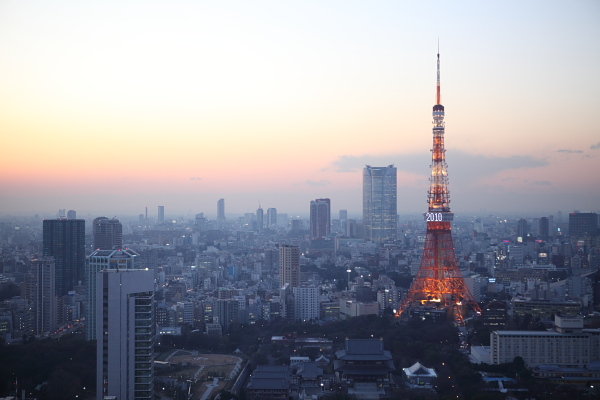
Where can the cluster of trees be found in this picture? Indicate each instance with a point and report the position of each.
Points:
(49, 368)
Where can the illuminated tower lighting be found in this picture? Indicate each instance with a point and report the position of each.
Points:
(439, 283)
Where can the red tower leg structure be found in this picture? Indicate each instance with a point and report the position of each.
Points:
(439, 283)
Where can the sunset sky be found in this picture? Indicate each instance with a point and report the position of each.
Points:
(109, 107)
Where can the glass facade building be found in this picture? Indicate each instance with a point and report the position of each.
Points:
(380, 203)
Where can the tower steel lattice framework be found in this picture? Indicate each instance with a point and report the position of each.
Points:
(439, 283)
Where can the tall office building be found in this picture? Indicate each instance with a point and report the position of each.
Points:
(289, 265)
(522, 229)
(64, 239)
(72, 214)
(220, 213)
(107, 233)
(320, 218)
(99, 260)
(125, 331)
(260, 219)
(271, 217)
(379, 203)
(41, 294)
(582, 227)
(161, 214)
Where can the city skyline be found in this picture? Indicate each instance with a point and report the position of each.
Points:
(184, 104)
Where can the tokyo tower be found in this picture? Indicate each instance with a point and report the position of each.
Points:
(439, 283)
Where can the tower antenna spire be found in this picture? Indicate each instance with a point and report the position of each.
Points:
(439, 284)
(438, 93)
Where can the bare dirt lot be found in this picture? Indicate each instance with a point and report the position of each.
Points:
(202, 368)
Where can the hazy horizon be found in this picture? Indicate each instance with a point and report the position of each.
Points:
(107, 108)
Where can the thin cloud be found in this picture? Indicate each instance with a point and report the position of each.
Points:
(461, 165)
(318, 183)
(569, 151)
(595, 146)
(541, 183)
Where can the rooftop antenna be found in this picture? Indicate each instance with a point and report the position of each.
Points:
(438, 93)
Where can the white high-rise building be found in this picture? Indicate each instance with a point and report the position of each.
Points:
(380, 203)
(125, 330)
(306, 303)
(99, 260)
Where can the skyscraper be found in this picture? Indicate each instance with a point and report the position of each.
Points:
(64, 239)
(107, 233)
(379, 203)
(260, 218)
(522, 229)
(289, 265)
(99, 260)
(161, 214)
(41, 294)
(71, 214)
(582, 227)
(271, 217)
(320, 218)
(220, 213)
(125, 331)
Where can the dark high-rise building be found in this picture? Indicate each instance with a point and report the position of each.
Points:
(289, 265)
(522, 230)
(582, 227)
(107, 233)
(71, 214)
(320, 218)
(161, 214)
(379, 203)
(64, 239)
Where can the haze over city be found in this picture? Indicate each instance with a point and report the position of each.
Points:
(110, 107)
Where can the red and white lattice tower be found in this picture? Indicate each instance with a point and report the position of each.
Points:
(439, 283)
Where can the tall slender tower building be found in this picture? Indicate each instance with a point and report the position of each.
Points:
(439, 283)
(41, 294)
(64, 239)
(220, 213)
(380, 203)
(289, 265)
(125, 330)
(260, 218)
(161, 214)
(320, 218)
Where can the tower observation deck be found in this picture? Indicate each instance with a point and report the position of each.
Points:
(439, 283)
